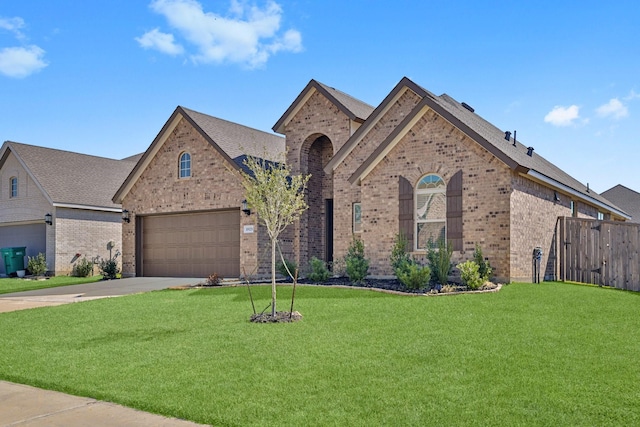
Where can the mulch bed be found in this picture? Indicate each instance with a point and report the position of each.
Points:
(280, 317)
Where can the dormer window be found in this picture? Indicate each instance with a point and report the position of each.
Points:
(185, 165)
(13, 184)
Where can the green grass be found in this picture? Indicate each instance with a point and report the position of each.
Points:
(8, 286)
(548, 354)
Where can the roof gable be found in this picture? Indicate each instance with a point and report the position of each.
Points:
(514, 154)
(231, 140)
(69, 179)
(353, 108)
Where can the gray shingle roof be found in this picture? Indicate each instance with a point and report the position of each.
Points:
(626, 198)
(360, 109)
(496, 137)
(72, 178)
(352, 107)
(237, 140)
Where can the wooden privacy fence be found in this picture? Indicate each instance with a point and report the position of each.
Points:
(600, 252)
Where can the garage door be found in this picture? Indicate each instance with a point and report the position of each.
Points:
(191, 245)
(33, 236)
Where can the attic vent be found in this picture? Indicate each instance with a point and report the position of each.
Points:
(507, 136)
(468, 107)
(530, 151)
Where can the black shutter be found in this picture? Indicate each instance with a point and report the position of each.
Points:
(405, 211)
(454, 211)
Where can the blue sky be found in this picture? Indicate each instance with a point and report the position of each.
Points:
(102, 77)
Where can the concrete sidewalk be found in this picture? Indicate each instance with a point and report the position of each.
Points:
(21, 405)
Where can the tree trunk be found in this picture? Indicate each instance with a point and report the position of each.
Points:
(273, 277)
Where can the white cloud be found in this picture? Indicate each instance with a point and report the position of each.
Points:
(249, 35)
(632, 95)
(14, 25)
(20, 62)
(155, 39)
(563, 116)
(614, 108)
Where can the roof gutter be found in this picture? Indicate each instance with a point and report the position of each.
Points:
(540, 177)
(86, 207)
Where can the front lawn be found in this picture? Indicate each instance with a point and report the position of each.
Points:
(8, 286)
(548, 354)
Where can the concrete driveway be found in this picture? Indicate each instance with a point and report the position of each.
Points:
(89, 291)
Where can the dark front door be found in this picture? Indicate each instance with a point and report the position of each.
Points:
(328, 230)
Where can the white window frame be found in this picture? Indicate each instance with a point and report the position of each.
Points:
(356, 216)
(417, 221)
(184, 165)
(13, 187)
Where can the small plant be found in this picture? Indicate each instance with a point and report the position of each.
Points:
(470, 274)
(439, 260)
(83, 268)
(214, 280)
(37, 265)
(318, 270)
(357, 265)
(484, 268)
(281, 267)
(399, 254)
(109, 267)
(413, 275)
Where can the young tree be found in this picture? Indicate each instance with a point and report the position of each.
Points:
(278, 199)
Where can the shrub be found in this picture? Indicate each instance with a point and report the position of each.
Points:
(214, 280)
(281, 267)
(413, 275)
(470, 274)
(484, 268)
(83, 268)
(37, 265)
(109, 267)
(440, 261)
(399, 253)
(318, 271)
(357, 265)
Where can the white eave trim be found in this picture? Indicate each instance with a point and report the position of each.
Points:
(566, 189)
(86, 207)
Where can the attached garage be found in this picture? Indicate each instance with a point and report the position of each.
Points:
(32, 236)
(190, 245)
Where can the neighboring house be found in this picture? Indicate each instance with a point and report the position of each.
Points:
(74, 189)
(431, 168)
(419, 164)
(626, 198)
(185, 198)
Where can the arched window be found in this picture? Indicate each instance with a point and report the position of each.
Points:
(13, 184)
(430, 211)
(185, 165)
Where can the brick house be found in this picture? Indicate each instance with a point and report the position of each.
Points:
(74, 189)
(419, 164)
(185, 197)
(431, 168)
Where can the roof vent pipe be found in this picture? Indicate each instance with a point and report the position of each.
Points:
(587, 187)
(468, 107)
(514, 138)
(507, 136)
(530, 151)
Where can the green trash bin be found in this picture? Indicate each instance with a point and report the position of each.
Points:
(13, 259)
